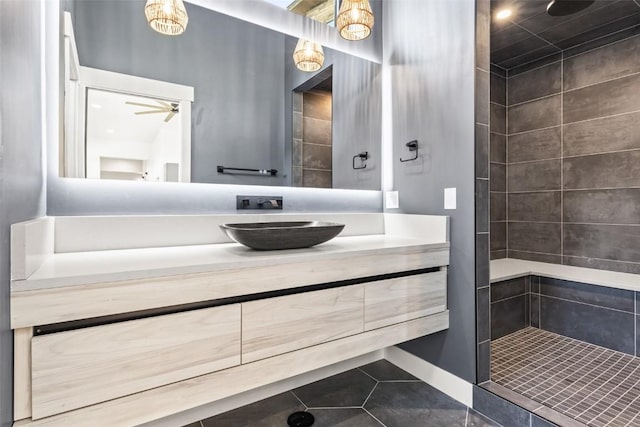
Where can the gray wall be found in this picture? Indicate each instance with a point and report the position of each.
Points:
(22, 184)
(429, 47)
(235, 67)
(357, 112)
(573, 152)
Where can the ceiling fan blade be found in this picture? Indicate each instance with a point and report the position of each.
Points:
(149, 112)
(156, 107)
(163, 103)
(169, 116)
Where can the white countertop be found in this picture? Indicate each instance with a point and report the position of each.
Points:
(78, 268)
(508, 268)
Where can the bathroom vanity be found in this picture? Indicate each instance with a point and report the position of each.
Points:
(128, 319)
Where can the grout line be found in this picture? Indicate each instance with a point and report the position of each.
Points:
(311, 408)
(508, 298)
(517, 104)
(574, 189)
(601, 153)
(571, 123)
(373, 416)
(370, 393)
(375, 379)
(539, 306)
(529, 131)
(299, 400)
(506, 173)
(536, 35)
(603, 81)
(590, 305)
(569, 222)
(537, 51)
(599, 38)
(533, 61)
(572, 156)
(602, 117)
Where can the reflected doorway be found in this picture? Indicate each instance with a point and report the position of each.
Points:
(312, 132)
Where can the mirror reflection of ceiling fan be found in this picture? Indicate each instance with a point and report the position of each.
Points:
(163, 107)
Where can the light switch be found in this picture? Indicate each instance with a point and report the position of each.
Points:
(391, 200)
(449, 198)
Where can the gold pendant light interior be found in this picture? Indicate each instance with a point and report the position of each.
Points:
(167, 16)
(308, 56)
(355, 19)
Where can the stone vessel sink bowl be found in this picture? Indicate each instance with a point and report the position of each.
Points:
(267, 236)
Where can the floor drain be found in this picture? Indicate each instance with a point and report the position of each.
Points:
(300, 419)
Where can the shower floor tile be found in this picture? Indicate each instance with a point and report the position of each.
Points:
(591, 384)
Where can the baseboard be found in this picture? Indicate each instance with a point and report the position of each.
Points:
(260, 393)
(449, 384)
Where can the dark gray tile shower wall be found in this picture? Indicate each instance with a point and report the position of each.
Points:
(572, 162)
(498, 163)
(595, 314)
(484, 195)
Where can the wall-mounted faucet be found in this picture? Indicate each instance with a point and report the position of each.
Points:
(258, 202)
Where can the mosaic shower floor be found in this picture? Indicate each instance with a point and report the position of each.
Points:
(591, 384)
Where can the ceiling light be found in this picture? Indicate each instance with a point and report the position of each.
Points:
(111, 131)
(355, 19)
(96, 106)
(166, 16)
(503, 14)
(308, 55)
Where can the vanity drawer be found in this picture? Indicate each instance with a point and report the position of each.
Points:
(404, 298)
(84, 366)
(282, 324)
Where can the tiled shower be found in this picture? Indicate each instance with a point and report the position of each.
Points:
(564, 188)
(565, 165)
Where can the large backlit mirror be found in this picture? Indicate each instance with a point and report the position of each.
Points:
(223, 102)
(321, 10)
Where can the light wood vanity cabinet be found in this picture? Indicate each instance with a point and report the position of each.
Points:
(284, 315)
(81, 367)
(278, 325)
(404, 298)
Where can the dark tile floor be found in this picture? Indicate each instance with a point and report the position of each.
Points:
(374, 395)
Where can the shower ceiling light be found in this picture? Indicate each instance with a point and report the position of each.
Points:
(167, 16)
(308, 55)
(503, 14)
(355, 19)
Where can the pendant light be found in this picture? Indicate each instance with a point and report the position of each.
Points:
(355, 19)
(167, 16)
(308, 55)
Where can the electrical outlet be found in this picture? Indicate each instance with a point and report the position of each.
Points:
(391, 200)
(449, 198)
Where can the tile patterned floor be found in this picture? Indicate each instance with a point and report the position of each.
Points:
(374, 395)
(591, 384)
